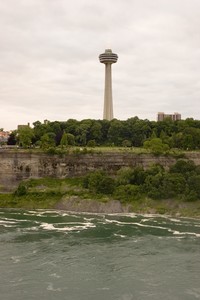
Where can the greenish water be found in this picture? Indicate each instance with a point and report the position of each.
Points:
(56, 255)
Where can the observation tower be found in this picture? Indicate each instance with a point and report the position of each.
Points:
(108, 58)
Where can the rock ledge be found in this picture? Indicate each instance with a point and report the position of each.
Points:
(77, 204)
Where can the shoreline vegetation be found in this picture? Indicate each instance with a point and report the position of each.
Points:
(174, 192)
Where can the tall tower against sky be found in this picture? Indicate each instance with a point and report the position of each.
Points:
(108, 58)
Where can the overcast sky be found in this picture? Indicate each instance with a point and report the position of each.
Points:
(49, 66)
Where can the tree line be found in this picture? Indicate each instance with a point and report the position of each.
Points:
(133, 132)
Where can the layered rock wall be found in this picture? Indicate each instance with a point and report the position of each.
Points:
(17, 166)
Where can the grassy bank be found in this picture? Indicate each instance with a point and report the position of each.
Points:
(47, 193)
(97, 150)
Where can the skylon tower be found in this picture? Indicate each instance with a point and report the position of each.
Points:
(108, 58)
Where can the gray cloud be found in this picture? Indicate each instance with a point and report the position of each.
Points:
(49, 58)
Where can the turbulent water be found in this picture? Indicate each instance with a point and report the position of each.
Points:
(56, 255)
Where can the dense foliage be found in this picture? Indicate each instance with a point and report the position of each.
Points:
(181, 181)
(156, 136)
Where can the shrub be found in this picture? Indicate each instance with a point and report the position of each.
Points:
(100, 183)
(194, 184)
(21, 190)
(155, 169)
(156, 146)
(126, 143)
(124, 176)
(51, 150)
(191, 196)
(153, 186)
(173, 185)
(91, 143)
(183, 167)
(138, 176)
(128, 192)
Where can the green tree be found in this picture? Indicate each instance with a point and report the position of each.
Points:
(83, 132)
(138, 176)
(100, 183)
(166, 139)
(91, 143)
(124, 176)
(12, 139)
(128, 192)
(194, 184)
(173, 185)
(139, 131)
(40, 129)
(48, 140)
(126, 143)
(116, 132)
(25, 136)
(105, 125)
(64, 140)
(153, 186)
(135, 176)
(183, 166)
(156, 146)
(71, 126)
(21, 190)
(96, 132)
(177, 140)
(167, 126)
(70, 139)
(155, 169)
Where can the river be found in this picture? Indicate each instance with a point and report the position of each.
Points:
(59, 255)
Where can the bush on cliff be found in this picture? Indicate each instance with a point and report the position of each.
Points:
(21, 190)
(156, 145)
(182, 181)
(100, 183)
(128, 192)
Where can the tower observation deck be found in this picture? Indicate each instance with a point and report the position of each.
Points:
(108, 58)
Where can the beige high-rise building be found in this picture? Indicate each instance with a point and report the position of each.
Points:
(108, 58)
(174, 117)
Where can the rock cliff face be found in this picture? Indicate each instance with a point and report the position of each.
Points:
(92, 206)
(17, 166)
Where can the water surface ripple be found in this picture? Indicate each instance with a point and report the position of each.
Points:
(59, 255)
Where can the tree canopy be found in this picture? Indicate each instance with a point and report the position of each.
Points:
(134, 132)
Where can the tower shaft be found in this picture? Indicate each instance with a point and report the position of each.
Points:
(108, 102)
